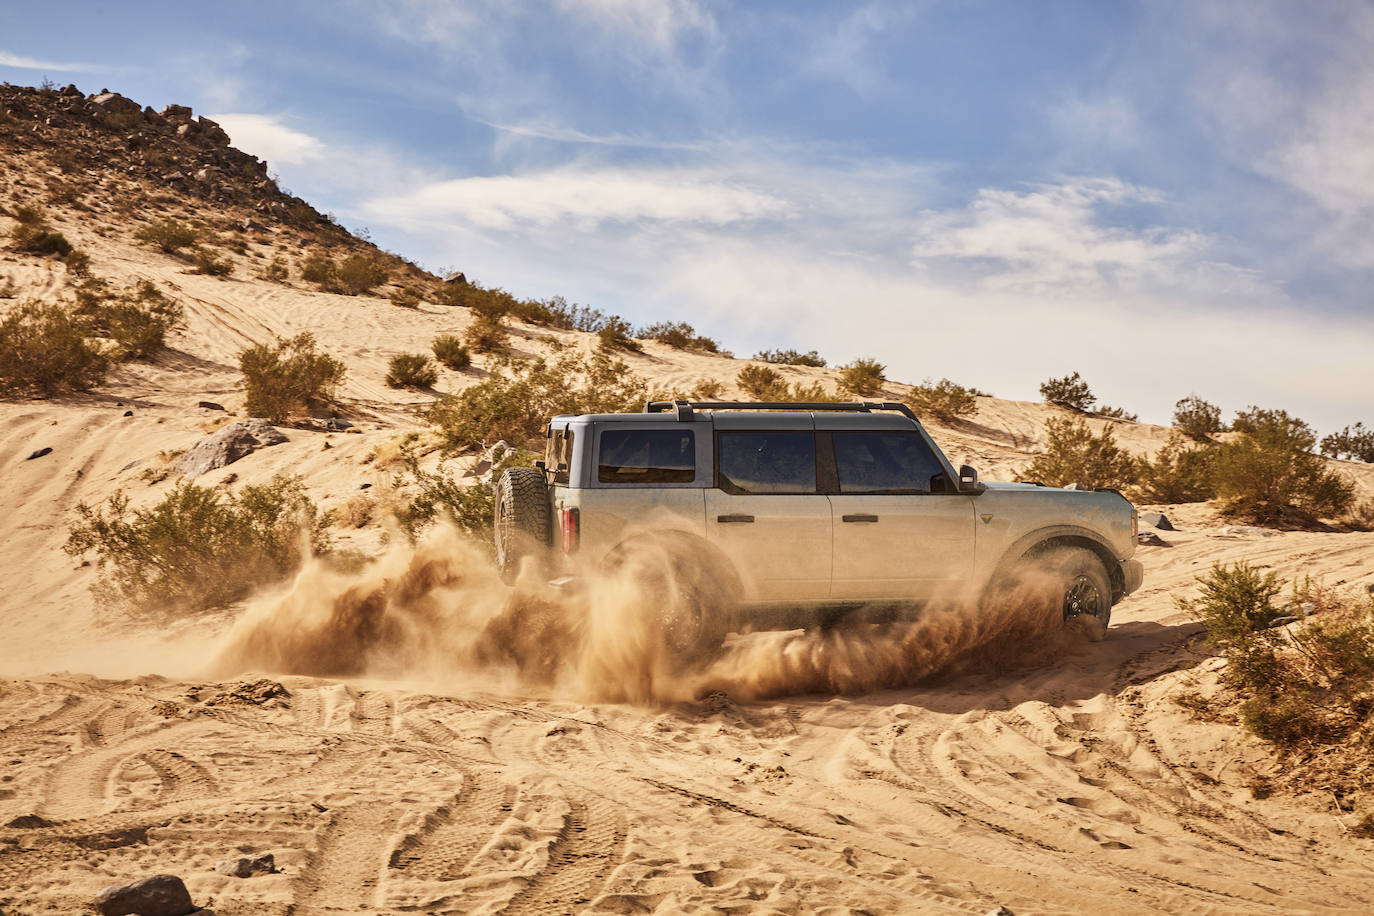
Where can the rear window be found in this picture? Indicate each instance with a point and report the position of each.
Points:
(883, 462)
(647, 456)
(767, 462)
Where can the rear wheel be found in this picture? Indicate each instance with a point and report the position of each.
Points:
(687, 594)
(524, 519)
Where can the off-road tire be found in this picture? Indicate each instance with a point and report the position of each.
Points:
(524, 520)
(1084, 589)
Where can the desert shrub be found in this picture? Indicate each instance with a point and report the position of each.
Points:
(1354, 442)
(1359, 517)
(471, 507)
(616, 334)
(320, 269)
(40, 239)
(516, 405)
(943, 400)
(1070, 391)
(27, 215)
(791, 358)
(275, 270)
(449, 351)
(288, 377)
(209, 263)
(1179, 473)
(1268, 474)
(1197, 419)
(557, 313)
(762, 383)
(1116, 413)
(1307, 682)
(706, 389)
(78, 263)
(168, 234)
(678, 334)
(1075, 455)
(411, 370)
(496, 302)
(137, 320)
(44, 350)
(407, 297)
(486, 333)
(198, 548)
(359, 273)
(863, 377)
(814, 393)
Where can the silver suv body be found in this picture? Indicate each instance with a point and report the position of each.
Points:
(816, 509)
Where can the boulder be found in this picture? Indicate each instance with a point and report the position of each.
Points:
(214, 134)
(114, 103)
(457, 277)
(1157, 520)
(228, 445)
(251, 225)
(1150, 539)
(247, 867)
(177, 114)
(39, 454)
(209, 405)
(160, 895)
(188, 130)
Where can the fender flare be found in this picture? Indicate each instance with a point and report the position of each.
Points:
(1042, 539)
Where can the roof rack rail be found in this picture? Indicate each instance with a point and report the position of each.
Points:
(684, 409)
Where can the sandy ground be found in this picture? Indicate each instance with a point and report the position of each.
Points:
(1074, 784)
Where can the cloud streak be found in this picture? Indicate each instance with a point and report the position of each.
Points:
(28, 63)
(267, 137)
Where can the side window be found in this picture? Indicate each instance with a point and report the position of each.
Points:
(558, 456)
(884, 462)
(647, 456)
(767, 462)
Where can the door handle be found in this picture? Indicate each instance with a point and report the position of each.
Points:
(860, 518)
(726, 519)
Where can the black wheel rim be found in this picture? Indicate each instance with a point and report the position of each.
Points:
(1082, 597)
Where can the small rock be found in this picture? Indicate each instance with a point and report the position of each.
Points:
(160, 895)
(1000, 911)
(1150, 539)
(456, 278)
(1157, 520)
(209, 405)
(336, 424)
(251, 225)
(228, 445)
(177, 114)
(364, 486)
(39, 454)
(246, 867)
(128, 413)
(30, 822)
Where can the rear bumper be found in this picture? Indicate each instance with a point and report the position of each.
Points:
(1132, 575)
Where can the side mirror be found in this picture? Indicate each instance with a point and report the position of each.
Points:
(968, 481)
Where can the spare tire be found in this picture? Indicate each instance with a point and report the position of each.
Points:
(524, 520)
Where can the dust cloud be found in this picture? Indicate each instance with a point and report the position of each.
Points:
(437, 611)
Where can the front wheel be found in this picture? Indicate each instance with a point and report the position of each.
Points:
(1084, 589)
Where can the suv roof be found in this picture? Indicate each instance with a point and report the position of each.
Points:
(861, 413)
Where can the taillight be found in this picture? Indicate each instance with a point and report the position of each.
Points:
(570, 526)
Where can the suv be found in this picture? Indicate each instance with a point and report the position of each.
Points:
(802, 514)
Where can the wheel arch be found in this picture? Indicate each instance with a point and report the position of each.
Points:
(1046, 539)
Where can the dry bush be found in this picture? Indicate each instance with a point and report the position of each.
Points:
(276, 270)
(1070, 391)
(210, 264)
(762, 383)
(44, 350)
(1116, 413)
(616, 334)
(320, 269)
(678, 334)
(517, 406)
(486, 333)
(863, 377)
(356, 512)
(943, 400)
(1354, 442)
(706, 389)
(359, 273)
(1306, 682)
(138, 319)
(1197, 419)
(407, 297)
(198, 548)
(169, 235)
(450, 352)
(791, 358)
(289, 377)
(34, 236)
(1179, 473)
(1075, 456)
(1268, 474)
(411, 370)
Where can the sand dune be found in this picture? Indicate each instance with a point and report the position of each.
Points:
(1073, 784)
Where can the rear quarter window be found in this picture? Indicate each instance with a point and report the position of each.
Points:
(776, 462)
(647, 456)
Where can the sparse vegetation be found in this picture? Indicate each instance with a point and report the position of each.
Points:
(209, 263)
(516, 405)
(762, 383)
(1179, 473)
(137, 320)
(320, 269)
(44, 350)
(616, 334)
(1354, 442)
(407, 297)
(471, 507)
(864, 377)
(1305, 682)
(1268, 474)
(944, 400)
(411, 370)
(198, 548)
(359, 273)
(706, 389)
(1075, 456)
(275, 270)
(34, 236)
(486, 333)
(288, 377)
(450, 352)
(791, 358)
(678, 334)
(1070, 392)
(169, 235)
(1197, 419)
(1116, 413)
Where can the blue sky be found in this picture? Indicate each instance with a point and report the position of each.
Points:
(1167, 197)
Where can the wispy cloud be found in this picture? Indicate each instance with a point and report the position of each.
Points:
(570, 135)
(28, 63)
(267, 137)
(658, 24)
